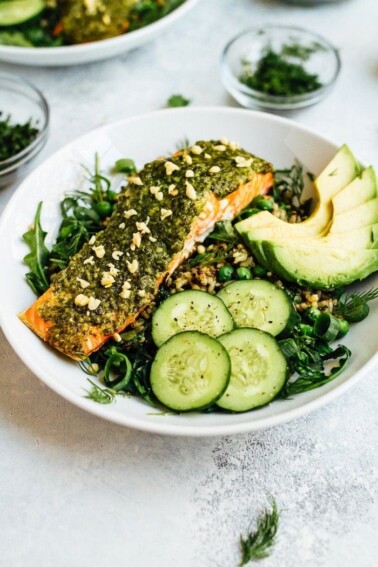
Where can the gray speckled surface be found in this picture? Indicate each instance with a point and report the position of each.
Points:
(77, 491)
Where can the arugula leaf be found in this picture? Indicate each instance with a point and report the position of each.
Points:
(177, 100)
(258, 544)
(38, 257)
(307, 356)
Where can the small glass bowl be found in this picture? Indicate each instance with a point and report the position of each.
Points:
(249, 47)
(22, 101)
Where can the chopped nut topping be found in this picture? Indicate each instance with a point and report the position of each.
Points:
(214, 169)
(141, 293)
(240, 159)
(130, 213)
(188, 159)
(152, 239)
(117, 337)
(224, 141)
(135, 180)
(172, 190)
(220, 148)
(92, 240)
(234, 145)
(93, 303)
(159, 196)
(122, 225)
(190, 191)
(143, 228)
(106, 19)
(137, 239)
(207, 156)
(164, 213)
(201, 249)
(133, 266)
(154, 189)
(99, 251)
(245, 163)
(170, 167)
(81, 300)
(89, 261)
(117, 254)
(107, 279)
(196, 150)
(113, 270)
(125, 293)
(189, 173)
(83, 283)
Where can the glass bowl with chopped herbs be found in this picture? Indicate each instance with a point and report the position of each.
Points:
(24, 121)
(279, 67)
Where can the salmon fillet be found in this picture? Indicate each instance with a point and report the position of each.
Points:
(166, 209)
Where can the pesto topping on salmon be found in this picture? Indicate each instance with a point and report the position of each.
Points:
(115, 277)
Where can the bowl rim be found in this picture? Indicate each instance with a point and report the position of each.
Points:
(279, 100)
(13, 160)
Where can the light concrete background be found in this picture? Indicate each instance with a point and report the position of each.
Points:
(76, 491)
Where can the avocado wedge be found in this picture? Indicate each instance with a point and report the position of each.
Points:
(364, 215)
(319, 266)
(361, 190)
(341, 171)
(20, 11)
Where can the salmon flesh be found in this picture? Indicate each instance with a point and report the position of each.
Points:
(166, 209)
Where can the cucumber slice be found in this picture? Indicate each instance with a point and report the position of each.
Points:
(258, 369)
(191, 371)
(190, 311)
(19, 11)
(261, 305)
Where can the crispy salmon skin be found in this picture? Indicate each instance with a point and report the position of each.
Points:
(163, 212)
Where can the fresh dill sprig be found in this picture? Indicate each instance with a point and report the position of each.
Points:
(100, 395)
(182, 144)
(258, 543)
(354, 306)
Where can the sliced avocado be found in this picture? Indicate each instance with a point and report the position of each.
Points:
(20, 11)
(319, 266)
(364, 215)
(341, 171)
(362, 189)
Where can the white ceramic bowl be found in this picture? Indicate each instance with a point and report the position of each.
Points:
(95, 51)
(143, 138)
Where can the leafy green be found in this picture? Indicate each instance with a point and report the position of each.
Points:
(102, 395)
(125, 165)
(38, 257)
(258, 543)
(224, 232)
(177, 100)
(307, 356)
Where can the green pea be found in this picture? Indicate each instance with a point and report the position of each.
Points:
(343, 329)
(103, 208)
(225, 273)
(125, 165)
(306, 330)
(262, 204)
(243, 274)
(259, 271)
(111, 196)
(312, 314)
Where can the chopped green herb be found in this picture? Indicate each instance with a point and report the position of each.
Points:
(15, 137)
(177, 100)
(258, 543)
(100, 395)
(276, 74)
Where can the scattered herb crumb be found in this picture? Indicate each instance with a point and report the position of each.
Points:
(177, 100)
(15, 137)
(277, 74)
(258, 544)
